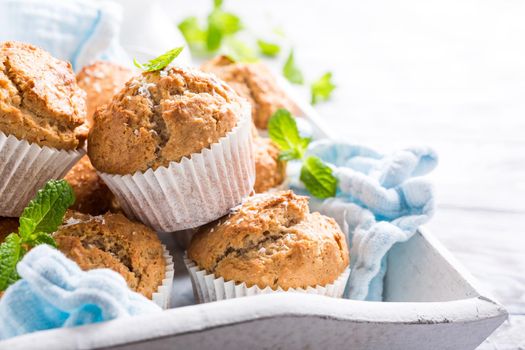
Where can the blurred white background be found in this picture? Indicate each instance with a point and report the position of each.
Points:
(447, 73)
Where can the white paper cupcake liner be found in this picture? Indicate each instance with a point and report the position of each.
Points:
(163, 294)
(25, 168)
(207, 287)
(194, 191)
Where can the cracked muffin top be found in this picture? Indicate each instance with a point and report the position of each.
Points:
(256, 83)
(272, 240)
(101, 80)
(112, 241)
(161, 117)
(270, 172)
(39, 98)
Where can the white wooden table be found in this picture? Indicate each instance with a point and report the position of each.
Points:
(447, 73)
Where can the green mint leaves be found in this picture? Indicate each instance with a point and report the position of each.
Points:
(160, 62)
(282, 129)
(45, 212)
(316, 176)
(291, 71)
(268, 49)
(209, 37)
(220, 25)
(322, 88)
(41, 217)
(224, 33)
(11, 252)
(193, 33)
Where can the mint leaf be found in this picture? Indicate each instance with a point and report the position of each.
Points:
(268, 49)
(41, 217)
(291, 71)
(217, 4)
(318, 178)
(194, 34)
(282, 129)
(220, 25)
(44, 238)
(214, 37)
(322, 88)
(290, 154)
(10, 253)
(46, 211)
(239, 51)
(160, 62)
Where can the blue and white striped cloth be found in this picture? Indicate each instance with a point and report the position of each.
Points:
(54, 292)
(381, 200)
(77, 31)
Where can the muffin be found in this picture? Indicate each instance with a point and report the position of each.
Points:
(7, 226)
(129, 248)
(269, 243)
(169, 142)
(270, 172)
(255, 82)
(101, 80)
(42, 111)
(270, 175)
(92, 196)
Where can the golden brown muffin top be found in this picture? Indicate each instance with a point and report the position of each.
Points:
(256, 83)
(7, 226)
(92, 196)
(272, 240)
(161, 117)
(112, 241)
(270, 172)
(39, 98)
(101, 80)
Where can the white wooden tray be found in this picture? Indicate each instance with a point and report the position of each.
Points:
(431, 302)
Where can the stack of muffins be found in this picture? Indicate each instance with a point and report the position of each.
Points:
(169, 151)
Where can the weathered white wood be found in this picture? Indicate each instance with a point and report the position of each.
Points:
(453, 315)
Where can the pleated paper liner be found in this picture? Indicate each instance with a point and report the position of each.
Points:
(25, 168)
(163, 294)
(207, 287)
(198, 189)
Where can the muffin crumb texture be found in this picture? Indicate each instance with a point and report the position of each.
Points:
(160, 117)
(92, 196)
(270, 172)
(256, 83)
(101, 80)
(272, 240)
(40, 101)
(112, 241)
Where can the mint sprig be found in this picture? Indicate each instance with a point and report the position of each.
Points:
(282, 129)
(40, 218)
(160, 62)
(11, 252)
(322, 88)
(291, 71)
(210, 36)
(316, 176)
(268, 49)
